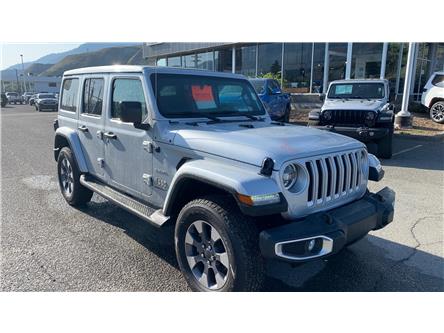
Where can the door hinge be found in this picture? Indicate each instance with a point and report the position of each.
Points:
(148, 146)
(100, 162)
(147, 179)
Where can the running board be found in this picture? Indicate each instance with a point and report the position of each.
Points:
(143, 211)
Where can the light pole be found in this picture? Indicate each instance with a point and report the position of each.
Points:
(24, 75)
(403, 118)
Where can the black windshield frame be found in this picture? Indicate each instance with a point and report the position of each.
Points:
(188, 105)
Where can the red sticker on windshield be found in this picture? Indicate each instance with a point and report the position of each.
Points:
(203, 96)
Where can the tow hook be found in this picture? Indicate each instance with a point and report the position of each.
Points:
(327, 218)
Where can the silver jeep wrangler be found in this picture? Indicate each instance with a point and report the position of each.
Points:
(196, 150)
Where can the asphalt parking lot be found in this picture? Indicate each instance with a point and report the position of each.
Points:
(46, 245)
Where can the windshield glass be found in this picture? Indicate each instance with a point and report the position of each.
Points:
(46, 96)
(200, 96)
(357, 90)
(13, 94)
(259, 86)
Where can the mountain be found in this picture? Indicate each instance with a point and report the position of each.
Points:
(37, 68)
(84, 48)
(53, 58)
(108, 56)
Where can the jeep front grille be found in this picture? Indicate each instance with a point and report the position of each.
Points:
(335, 176)
(346, 117)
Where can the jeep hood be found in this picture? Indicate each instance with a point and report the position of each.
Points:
(353, 104)
(252, 145)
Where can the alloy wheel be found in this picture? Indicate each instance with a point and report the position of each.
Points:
(66, 176)
(437, 112)
(207, 255)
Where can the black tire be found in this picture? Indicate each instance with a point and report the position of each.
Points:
(437, 112)
(385, 146)
(240, 239)
(287, 114)
(79, 194)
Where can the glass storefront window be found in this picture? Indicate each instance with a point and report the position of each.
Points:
(439, 63)
(223, 60)
(174, 62)
(366, 60)
(269, 60)
(189, 61)
(318, 68)
(396, 61)
(246, 60)
(297, 67)
(205, 60)
(337, 53)
(161, 62)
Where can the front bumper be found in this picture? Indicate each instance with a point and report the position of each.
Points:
(47, 106)
(359, 133)
(326, 233)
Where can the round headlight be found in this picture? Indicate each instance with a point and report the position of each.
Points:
(370, 116)
(289, 176)
(326, 115)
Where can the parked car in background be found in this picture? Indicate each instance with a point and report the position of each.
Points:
(46, 102)
(4, 100)
(276, 102)
(13, 98)
(359, 109)
(26, 96)
(197, 151)
(433, 97)
(32, 99)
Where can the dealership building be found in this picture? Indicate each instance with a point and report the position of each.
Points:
(307, 68)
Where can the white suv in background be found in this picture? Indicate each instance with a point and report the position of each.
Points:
(433, 97)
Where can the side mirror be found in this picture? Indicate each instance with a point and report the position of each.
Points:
(130, 112)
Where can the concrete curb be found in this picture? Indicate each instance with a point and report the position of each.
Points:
(434, 138)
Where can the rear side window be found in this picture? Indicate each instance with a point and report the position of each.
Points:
(438, 80)
(69, 95)
(127, 90)
(92, 97)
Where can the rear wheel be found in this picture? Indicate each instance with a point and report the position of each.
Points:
(217, 247)
(69, 179)
(437, 112)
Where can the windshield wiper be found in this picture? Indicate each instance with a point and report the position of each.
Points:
(253, 117)
(249, 116)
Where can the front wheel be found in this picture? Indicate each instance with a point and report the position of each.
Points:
(287, 114)
(217, 247)
(437, 112)
(385, 146)
(68, 173)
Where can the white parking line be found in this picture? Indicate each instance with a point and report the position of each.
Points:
(407, 150)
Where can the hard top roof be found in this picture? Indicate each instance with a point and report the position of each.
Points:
(149, 70)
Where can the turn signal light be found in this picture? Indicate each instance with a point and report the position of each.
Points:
(258, 200)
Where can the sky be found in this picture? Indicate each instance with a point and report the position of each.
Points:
(10, 52)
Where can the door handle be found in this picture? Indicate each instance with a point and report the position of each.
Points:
(110, 135)
(83, 128)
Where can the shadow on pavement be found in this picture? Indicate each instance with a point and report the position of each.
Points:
(373, 264)
(416, 154)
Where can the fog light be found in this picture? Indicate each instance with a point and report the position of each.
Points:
(311, 245)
